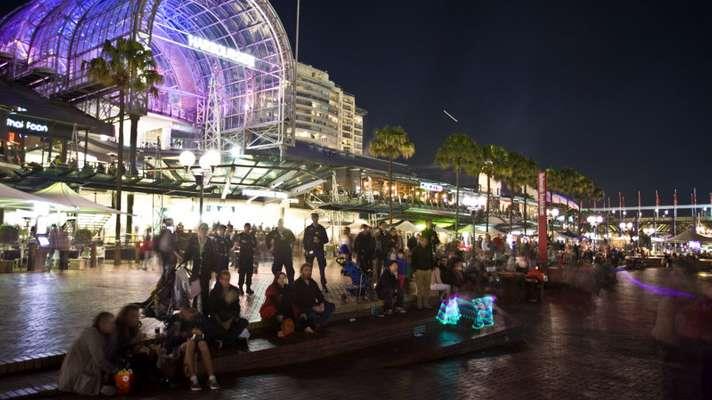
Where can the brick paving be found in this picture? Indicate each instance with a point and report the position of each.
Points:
(44, 312)
(578, 346)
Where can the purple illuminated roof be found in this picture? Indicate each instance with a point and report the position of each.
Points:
(60, 37)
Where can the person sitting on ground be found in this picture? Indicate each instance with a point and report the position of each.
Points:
(86, 369)
(185, 333)
(311, 307)
(437, 283)
(130, 350)
(389, 290)
(226, 326)
(277, 308)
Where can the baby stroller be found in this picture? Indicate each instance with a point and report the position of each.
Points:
(172, 292)
(360, 281)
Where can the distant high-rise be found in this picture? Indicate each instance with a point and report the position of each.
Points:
(326, 115)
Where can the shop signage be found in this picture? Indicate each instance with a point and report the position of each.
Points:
(473, 202)
(431, 187)
(19, 124)
(219, 50)
(541, 200)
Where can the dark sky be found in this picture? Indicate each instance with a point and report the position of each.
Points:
(618, 90)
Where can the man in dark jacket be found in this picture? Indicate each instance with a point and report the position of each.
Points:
(364, 247)
(312, 309)
(389, 290)
(223, 247)
(314, 240)
(201, 251)
(281, 240)
(432, 236)
(247, 244)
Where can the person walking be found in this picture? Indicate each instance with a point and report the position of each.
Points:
(201, 251)
(422, 264)
(314, 240)
(281, 242)
(247, 243)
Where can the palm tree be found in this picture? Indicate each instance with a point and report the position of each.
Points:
(521, 172)
(129, 67)
(528, 171)
(459, 153)
(391, 143)
(494, 166)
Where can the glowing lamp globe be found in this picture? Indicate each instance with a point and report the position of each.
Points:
(186, 158)
(209, 159)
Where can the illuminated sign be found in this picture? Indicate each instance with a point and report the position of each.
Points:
(26, 125)
(473, 202)
(219, 50)
(431, 187)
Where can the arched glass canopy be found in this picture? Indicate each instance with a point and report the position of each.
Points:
(239, 44)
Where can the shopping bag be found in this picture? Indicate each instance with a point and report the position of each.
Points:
(123, 381)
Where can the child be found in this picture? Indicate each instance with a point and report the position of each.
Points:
(389, 290)
(402, 269)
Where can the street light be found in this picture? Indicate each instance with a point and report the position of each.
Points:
(207, 161)
(186, 159)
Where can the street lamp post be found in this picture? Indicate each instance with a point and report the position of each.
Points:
(207, 162)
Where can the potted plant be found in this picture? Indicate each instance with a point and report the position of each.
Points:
(83, 240)
(9, 236)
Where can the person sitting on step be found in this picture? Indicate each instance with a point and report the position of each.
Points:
(186, 337)
(277, 308)
(225, 325)
(312, 309)
(86, 369)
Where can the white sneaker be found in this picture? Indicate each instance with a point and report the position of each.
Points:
(213, 384)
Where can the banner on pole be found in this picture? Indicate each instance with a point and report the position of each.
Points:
(541, 200)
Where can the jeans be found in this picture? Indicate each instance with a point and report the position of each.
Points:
(286, 262)
(315, 320)
(204, 294)
(321, 260)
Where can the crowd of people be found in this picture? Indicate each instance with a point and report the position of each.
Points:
(202, 317)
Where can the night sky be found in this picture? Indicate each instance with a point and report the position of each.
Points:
(618, 90)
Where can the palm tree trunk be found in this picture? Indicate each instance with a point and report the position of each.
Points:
(390, 191)
(134, 144)
(487, 210)
(119, 173)
(457, 200)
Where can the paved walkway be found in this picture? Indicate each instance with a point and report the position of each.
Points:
(44, 312)
(579, 346)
